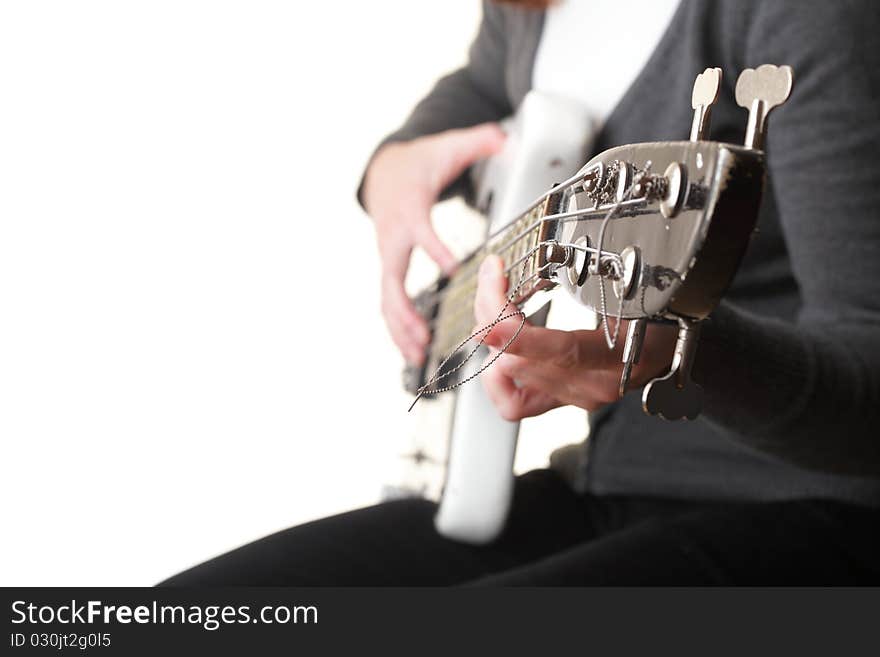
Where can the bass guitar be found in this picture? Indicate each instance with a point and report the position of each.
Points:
(642, 232)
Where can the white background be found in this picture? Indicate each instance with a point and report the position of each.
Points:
(191, 354)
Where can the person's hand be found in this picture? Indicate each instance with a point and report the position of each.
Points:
(401, 186)
(545, 368)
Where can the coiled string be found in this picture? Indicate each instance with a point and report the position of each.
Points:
(616, 265)
(604, 267)
(439, 374)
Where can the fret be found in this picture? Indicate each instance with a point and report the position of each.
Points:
(517, 244)
(456, 313)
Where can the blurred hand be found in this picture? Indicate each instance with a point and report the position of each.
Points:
(546, 368)
(401, 186)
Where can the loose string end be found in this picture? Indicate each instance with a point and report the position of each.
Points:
(417, 398)
(483, 332)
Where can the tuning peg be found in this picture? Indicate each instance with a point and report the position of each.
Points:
(705, 94)
(676, 396)
(760, 90)
(632, 350)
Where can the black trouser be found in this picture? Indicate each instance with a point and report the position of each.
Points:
(557, 537)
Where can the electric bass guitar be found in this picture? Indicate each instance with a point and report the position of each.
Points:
(641, 232)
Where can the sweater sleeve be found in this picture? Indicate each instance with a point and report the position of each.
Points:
(471, 95)
(809, 391)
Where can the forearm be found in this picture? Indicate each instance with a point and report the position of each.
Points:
(809, 395)
(456, 101)
(808, 389)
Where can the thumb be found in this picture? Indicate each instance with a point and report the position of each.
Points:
(491, 288)
(464, 146)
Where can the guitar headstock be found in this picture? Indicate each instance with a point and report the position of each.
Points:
(650, 231)
(657, 230)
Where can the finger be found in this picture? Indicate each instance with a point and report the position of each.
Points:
(477, 142)
(514, 402)
(590, 389)
(408, 329)
(464, 146)
(566, 349)
(537, 375)
(403, 340)
(395, 256)
(536, 343)
(395, 250)
(428, 239)
(491, 294)
(536, 402)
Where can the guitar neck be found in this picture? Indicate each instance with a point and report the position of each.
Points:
(449, 303)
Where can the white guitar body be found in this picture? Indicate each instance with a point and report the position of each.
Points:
(547, 142)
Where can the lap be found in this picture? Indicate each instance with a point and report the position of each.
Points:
(776, 543)
(395, 543)
(555, 537)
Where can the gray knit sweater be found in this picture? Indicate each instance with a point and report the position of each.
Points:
(790, 361)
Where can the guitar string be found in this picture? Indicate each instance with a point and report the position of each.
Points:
(463, 312)
(562, 217)
(613, 262)
(565, 186)
(439, 374)
(611, 340)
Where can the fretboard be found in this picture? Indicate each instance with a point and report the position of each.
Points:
(517, 244)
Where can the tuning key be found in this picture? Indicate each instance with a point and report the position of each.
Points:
(760, 90)
(676, 396)
(705, 94)
(632, 349)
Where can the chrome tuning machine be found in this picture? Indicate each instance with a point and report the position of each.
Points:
(705, 94)
(676, 395)
(632, 349)
(759, 90)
